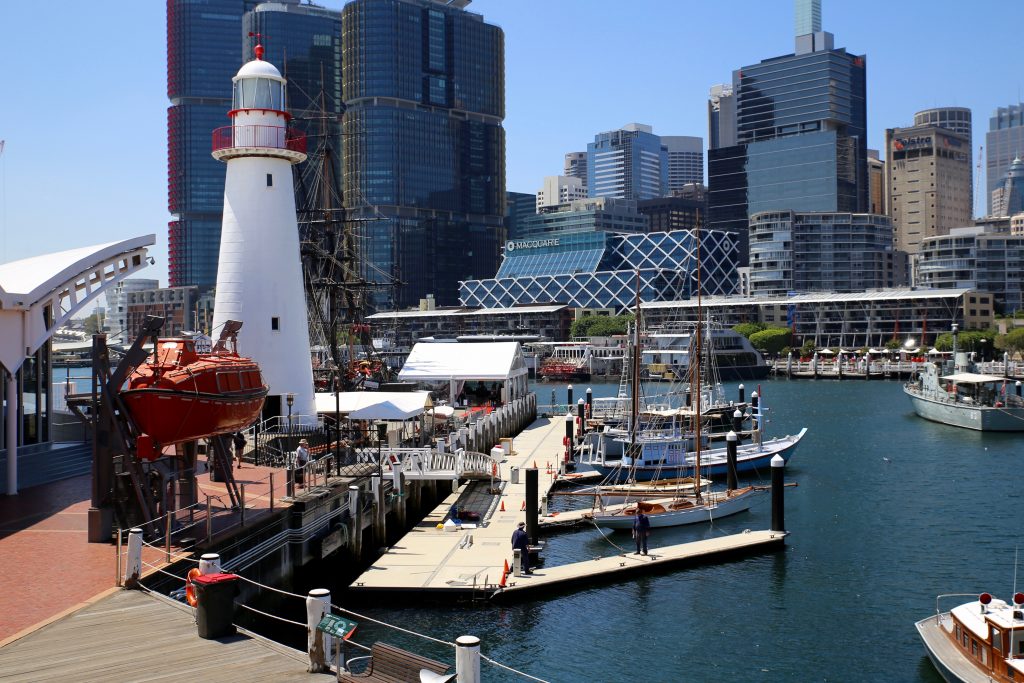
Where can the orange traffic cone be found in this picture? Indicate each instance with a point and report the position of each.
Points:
(524, 506)
(534, 464)
(502, 506)
(504, 575)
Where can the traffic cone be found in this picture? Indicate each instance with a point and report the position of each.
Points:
(524, 506)
(504, 575)
(534, 464)
(502, 506)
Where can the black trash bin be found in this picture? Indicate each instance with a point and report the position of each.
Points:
(215, 610)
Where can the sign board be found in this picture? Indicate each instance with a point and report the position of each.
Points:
(511, 246)
(336, 626)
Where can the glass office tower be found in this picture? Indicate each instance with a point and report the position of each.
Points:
(801, 133)
(204, 52)
(423, 144)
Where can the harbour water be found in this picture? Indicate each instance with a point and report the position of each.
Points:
(890, 511)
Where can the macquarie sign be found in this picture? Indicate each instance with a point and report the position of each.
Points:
(511, 246)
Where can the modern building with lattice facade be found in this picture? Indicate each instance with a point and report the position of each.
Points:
(598, 269)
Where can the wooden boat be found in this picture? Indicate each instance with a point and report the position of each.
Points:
(185, 392)
(981, 640)
(679, 511)
(563, 371)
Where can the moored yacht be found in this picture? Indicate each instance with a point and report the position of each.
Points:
(979, 641)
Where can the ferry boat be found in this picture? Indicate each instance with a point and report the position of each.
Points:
(187, 390)
(981, 640)
(667, 354)
(965, 398)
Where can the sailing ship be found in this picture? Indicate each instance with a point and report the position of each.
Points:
(981, 640)
(679, 510)
(186, 391)
(964, 398)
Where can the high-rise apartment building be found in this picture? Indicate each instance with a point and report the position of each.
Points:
(576, 166)
(721, 116)
(518, 206)
(821, 252)
(204, 50)
(976, 258)
(801, 132)
(559, 189)
(206, 43)
(629, 163)
(423, 144)
(929, 183)
(1004, 142)
(685, 160)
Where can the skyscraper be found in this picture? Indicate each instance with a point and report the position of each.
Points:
(1003, 143)
(559, 189)
(929, 183)
(207, 40)
(1008, 197)
(424, 147)
(685, 160)
(628, 163)
(721, 116)
(576, 166)
(801, 131)
(204, 50)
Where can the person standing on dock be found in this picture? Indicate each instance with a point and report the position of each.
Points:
(521, 540)
(239, 440)
(301, 458)
(641, 530)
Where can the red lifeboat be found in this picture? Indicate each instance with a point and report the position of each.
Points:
(182, 394)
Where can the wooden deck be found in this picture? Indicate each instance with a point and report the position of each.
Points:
(435, 560)
(471, 560)
(946, 656)
(131, 636)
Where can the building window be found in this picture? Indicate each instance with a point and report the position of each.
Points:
(270, 180)
(275, 323)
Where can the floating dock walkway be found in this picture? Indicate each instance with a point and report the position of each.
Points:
(470, 561)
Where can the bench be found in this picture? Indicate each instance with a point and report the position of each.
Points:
(393, 665)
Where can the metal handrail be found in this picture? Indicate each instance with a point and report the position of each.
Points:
(274, 137)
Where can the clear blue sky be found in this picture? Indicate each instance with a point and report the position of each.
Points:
(83, 98)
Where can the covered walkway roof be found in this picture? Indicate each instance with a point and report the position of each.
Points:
(499, 361)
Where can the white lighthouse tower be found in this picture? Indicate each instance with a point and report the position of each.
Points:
(259, 277)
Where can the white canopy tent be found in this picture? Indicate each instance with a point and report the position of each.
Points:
(456, 364)
(375, 405)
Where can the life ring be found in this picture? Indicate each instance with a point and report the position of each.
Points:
(190, 588)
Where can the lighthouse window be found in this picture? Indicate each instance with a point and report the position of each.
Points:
(270, 180)
(275, 323)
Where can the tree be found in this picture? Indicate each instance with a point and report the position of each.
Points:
(747, 329)
(94, 323)
(807, 349)
(772, 340)
(1013, 340)
(600, 325)
(968, 340)
(895, 344)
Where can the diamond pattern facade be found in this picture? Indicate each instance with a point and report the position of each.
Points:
(666, 261)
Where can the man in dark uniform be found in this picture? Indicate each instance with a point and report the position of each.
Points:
(641, 530)
(521, 540)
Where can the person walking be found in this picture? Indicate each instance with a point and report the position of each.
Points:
(301, 458)
(521, 540)
(239, 440)
(641, 530)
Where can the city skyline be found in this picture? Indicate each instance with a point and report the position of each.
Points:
(89, 183)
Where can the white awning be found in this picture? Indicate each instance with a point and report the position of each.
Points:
(973, 378)
(499, 361)
(375, 405)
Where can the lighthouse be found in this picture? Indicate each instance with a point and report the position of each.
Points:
(259, 276)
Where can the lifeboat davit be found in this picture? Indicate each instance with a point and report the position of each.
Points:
(182, 393)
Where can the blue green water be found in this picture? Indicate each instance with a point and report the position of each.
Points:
(890, 511)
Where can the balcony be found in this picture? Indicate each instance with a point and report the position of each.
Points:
(274, 141)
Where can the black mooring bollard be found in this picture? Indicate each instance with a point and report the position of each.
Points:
(737, 424)
(755, 401)
(590, 402)
(778, 493)
(743, 393)
(568, 427)
(731, 441)
(581, 408)
(531, 504)
(568, 401)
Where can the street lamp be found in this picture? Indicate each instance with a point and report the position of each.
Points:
(290, 400)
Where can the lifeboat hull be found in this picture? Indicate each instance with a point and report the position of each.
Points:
(170, 417)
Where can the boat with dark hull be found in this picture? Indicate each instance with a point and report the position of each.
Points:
(187, 390)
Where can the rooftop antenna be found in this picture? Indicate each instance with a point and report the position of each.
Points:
(258, 50)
